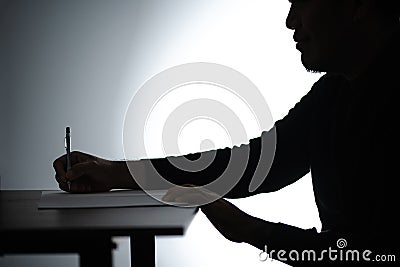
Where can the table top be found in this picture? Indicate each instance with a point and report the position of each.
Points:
(19, 215)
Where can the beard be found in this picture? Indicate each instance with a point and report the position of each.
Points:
(311, 66)
(313, 71)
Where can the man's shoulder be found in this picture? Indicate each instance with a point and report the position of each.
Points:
(331, 80)
(329, 87)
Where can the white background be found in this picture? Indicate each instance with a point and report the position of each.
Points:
(78, 63)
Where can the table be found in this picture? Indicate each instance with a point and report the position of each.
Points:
(26, 229)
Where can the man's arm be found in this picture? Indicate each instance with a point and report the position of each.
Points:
(291, 159)
(290, 162)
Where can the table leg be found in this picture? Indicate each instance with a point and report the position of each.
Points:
(143, 250)
(99, 255)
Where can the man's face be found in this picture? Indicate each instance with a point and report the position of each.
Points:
(322, 31)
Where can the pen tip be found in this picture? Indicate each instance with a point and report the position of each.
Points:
(67, 130)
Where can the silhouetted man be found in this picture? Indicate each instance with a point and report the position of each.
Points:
(343, 132)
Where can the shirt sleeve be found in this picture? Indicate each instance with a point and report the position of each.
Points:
(288, 140)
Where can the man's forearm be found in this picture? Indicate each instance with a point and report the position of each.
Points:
(259, 232)
(127, 173)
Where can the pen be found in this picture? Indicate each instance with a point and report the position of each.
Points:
(68, 148)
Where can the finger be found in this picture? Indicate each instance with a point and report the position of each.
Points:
(60, 178)
(59, 166)
(80, 187)
(79, 157)
(193, 198)
(171, 193)
(63, 186)
(80, 169)
(76, 187)
(189, 185)
(177, 191)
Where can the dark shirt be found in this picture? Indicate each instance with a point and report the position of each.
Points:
(345, 134)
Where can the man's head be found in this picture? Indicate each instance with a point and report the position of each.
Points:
(334, 35)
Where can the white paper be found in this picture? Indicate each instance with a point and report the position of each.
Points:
(118, 198)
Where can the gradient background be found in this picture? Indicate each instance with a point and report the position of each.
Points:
(79, 62)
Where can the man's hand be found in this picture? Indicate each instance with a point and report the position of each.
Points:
(91, 174)
(230, 221)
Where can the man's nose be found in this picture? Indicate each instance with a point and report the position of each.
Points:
(292, 20)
